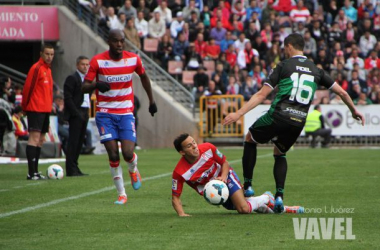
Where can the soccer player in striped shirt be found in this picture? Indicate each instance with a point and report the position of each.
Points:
(204, 162)
(113, 70)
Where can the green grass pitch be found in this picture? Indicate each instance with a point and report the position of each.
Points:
(78, 212)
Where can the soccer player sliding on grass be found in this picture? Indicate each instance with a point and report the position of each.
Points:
(204, 162)
(297, 79)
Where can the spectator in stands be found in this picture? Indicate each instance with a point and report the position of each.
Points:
(112, 19)
(245, 58)
(367, 42)
(273, 55)
(179, 47)
(253, 8)
(176, 6)
(18, 95)
(236, 27)
(5, 122)
(257, 75)
(239, 10)
(315, 126)
(212, 50)
(373, 78)
(166, 13)
(318, 32)
(164, 51)
(226, 41)
(223, 60)
(362, 100)
(323, 59)
(342, 80)
(363, 26)
(189, 9)
(237, 73)
(219, 17)
(350, 34)
(131, 33)
(334, 35)
(224, 7)
(201, 80)
(300, 13)
(128, 9)
(141, 26)
(21, 131)
(193, 23)
(267, 35)
(218, 33)
(249, 88)
(355, 80)
(350, 12)
(234, 86)
(186, 32)
(341, 19)
(354, 58)
(231, 56)
(338, 60)
(206, 16)
(193, 60)
(310, 49)
(239, 44)
(219, 71)
(374, 95)
(200, 45)
(284, 6)
(212, 107)
(251, 32)
(254, 18)
(177, 25)
(372, 61)
(6, 91)
(300, 28)
(274, 23)
(201, 29)
(151, 5)
(156, 26)
(122, 21)
(260, 46)
(145, 10)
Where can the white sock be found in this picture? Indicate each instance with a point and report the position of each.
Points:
(117, 175)
(132, 166)
(258, 201)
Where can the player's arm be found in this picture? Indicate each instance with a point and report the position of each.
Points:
(88, 86)
(255, 100)
(337, 89)
(224, 174)
(177, 205)
(145, 81)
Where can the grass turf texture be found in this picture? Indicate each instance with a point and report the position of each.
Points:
(347, 178)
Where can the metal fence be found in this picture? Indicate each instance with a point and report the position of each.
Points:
(16, 76)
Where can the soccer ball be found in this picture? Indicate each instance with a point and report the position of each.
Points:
(54, 172)
(216, 192)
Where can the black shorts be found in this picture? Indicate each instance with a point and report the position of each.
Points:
(283, 135)
(38, 121)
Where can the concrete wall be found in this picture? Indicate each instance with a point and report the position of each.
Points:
(158, 131)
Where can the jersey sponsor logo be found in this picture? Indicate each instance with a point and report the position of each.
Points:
(295, 112)
(174, 184)
(304, 69)
(119, 78)
(219, 153)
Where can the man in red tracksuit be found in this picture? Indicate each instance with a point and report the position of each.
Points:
(37, 103)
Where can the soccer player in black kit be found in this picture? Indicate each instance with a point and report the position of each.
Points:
(297, 79)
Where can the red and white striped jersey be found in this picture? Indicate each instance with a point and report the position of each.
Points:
(299, 15)
(196, 175)
(119, 99)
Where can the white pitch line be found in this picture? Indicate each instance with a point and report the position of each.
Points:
(54, 202)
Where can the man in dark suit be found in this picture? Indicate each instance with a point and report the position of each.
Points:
(76, 109)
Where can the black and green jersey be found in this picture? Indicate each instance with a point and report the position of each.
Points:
(297, 79)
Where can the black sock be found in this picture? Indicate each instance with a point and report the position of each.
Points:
(31, 152)
(279, 173)
(37, 159)
(249, 162)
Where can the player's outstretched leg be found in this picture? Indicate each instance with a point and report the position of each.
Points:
(134, 173)
(278, 205)
(117, 175)
(249, 162)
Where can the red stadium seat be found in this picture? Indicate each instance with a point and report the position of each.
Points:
(150, 45)
(209, 65)
(175, 67)
(188, 77)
